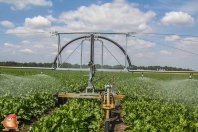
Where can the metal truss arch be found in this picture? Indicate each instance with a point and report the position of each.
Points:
(100, 37)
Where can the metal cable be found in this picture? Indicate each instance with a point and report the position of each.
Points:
(113, 56)
(71, 54)
(169, 46)
(169, 34)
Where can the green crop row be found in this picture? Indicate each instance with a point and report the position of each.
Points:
(26, 108)
(28, 94)
(157, 102)
(77, 115)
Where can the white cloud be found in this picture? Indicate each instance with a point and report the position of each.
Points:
(116, 16)
(8, 45)
(27, 31)
(189, 6)
(54, 53)
(13, 46)
(139, 55)
(13, 53)
(145, 55)
(26, 50)
(185, 47)
(25, 42)
(69, 51)
(164, 52)
(7, 24)
(178, 19)
(140, 44)
(134, 4)
(50, 11)
(51, 18)
(146, 6)
(133, 42)
(37, 26)
(41, 48)
(25, 4)
(37, 22)
(150, 54)
(172, 38)
(189, 43)
(99, 2)
(38, 46)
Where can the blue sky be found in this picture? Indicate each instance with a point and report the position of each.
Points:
(165, 31)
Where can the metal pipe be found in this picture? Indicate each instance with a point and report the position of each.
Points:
(58, 48)
(91, 63)
(92, 49)
(108, 96)
(118, 33)
(126, 53)
(107, 120)
(102, 56)
(10, 67)
(81, 54)
(155, 71)
(107, 114)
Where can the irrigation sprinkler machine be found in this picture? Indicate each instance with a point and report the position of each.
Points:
(107, 94)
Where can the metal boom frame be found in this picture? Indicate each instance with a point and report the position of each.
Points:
(91, 62)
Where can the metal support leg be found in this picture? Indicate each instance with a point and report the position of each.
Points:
(126, 54)
(91, 65)
(58, 51)
(190, 77)
(107, 125)
(107, 120)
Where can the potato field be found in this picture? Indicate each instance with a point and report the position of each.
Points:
(158, 102)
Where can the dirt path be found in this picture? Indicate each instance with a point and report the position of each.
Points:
(117, 120)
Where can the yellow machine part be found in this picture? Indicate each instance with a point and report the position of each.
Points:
(108, 102)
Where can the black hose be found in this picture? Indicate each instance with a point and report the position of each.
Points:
(107, 122)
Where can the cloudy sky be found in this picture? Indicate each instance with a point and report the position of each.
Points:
(165, 32)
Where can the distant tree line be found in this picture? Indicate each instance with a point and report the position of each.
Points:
(160, 68)
(68, 65)
(29, 64)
